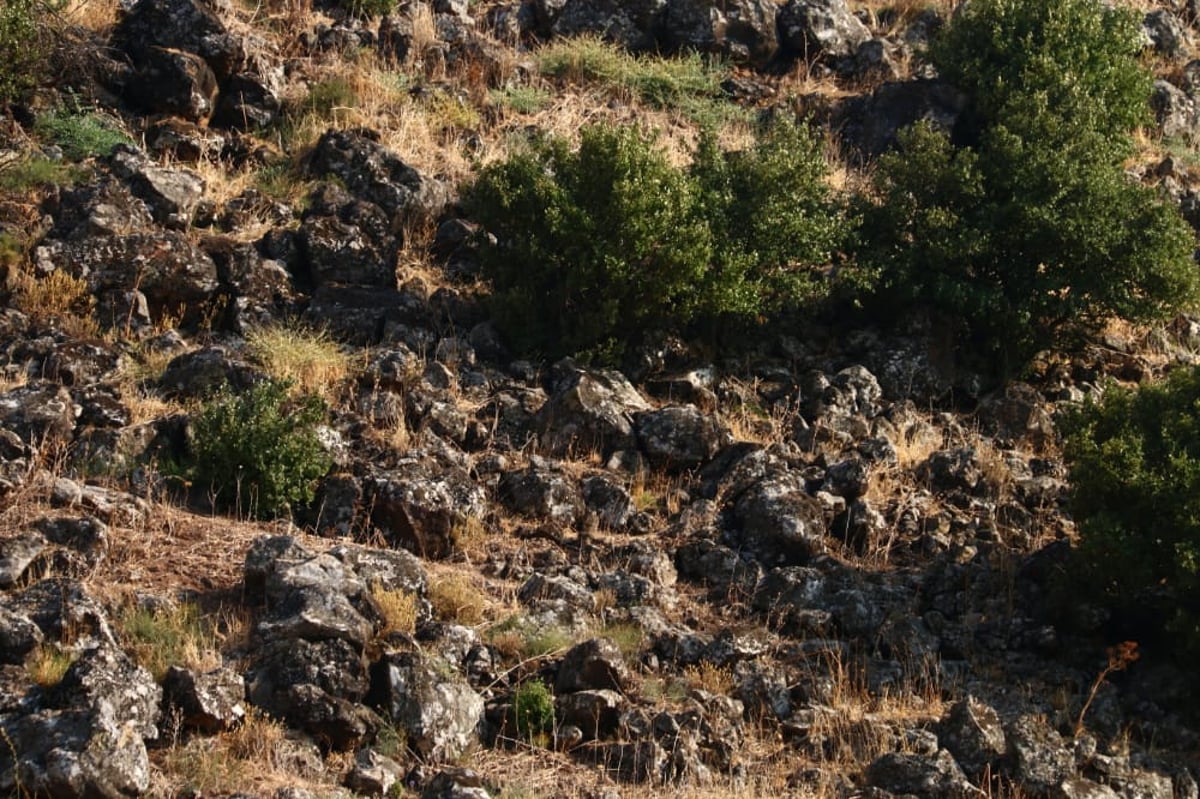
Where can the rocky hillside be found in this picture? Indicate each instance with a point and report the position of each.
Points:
(282, 514)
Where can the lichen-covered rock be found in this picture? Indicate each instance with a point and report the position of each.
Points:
(346, 240)
(595, 712)
(424, 514)
(315, 599)
(171, 194)
(89, 737)
(373, 173)
(596, 664)
(439, 712)
(542, 492)
(777, 520)
(742, 30)
(192, 26)
(589, 410)
(40, 413)
(210, 701)
(680, 438)
(1037, 756)
(972, 732)
(16, 553)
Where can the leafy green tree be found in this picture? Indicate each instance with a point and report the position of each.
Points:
(1029, 235)
(259, 450)
(1135, 471)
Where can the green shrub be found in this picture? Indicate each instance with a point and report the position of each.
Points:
(596, 245)
(1135, 471)
(24, 48)
(79, 135)
(773, 220)
(1030, 235)
(592, 244)
(31, 173)
(533, 707)
(259, 450)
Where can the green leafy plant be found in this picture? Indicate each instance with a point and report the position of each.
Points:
(594, 245)
(79, 135)
(24, 48)
(1135, 470)
(533, 708)
(259, 450)
(31, 173)
(1029, 235)
(161, 638)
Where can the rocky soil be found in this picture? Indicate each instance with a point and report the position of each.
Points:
(829, 564)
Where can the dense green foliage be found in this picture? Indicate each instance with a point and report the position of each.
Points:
(1030, 234)
(259, 450)
(597, 245)
(1135, 468)
(23, 48)
(533, 709)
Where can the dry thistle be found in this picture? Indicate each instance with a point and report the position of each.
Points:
(1119, 659)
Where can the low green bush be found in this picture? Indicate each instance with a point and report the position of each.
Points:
(1135, 471)
(259, 450)
(80, 135)
(597, 245)
(533, 708)
(24, 48)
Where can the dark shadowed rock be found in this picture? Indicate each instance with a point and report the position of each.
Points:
(542, 492)
(373, 173)
(191, 26)
(16, 553)
(171, 194)
(345, 240)
(870, 124)
(596, 713)
(424, 513)
(824, 29)
(936, 777)
(248, 101)
(634, 25)
(174, 82)
(741, 30)
(1037, 757)
(592, 665)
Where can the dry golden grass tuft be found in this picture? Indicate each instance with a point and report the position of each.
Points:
(48, 664)
(176, 636)
(706, 676)
(95, 15)
(57, 298)
(456, 598)
(399, 611)
(312, 361)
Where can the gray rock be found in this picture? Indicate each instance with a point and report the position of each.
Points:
(870, 124)
(971, 731)
(778, 521)
(596, 664)
(316, 599)
(1166, 33)
(589, 410)
(345, 240)
(1037, 756)
(542, 492)
(439, 712)
(41, 413)
(18, 635)
(90, 739)
(595, 713)
(373, 774)
(741, 30)
(373, 173)
(633, 25)
(821, 28)
(423, 513)
(611, 503)
(639, 762)
(171, 194)
(935, 777)
(16, 554)
(679, 438)
(211, 701)
(248, 101)
(187, 25)
(1080, 788)
(1175, 112)
(456, 783)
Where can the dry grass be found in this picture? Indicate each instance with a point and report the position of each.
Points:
(399, 611)
(707, 676)
(95, 15)
(57, 298)
(179, 636)
(456, 598)
(48, 664)
(312, 361)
